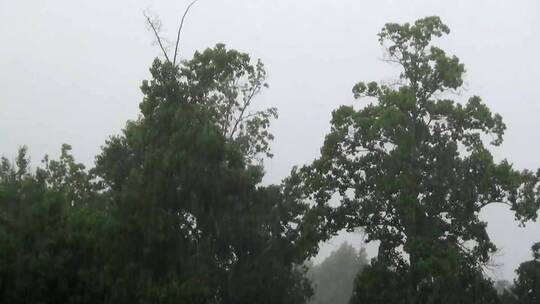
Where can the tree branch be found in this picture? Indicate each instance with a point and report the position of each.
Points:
(155, 30)
(255, 90)
(484, 204)
(180, 30)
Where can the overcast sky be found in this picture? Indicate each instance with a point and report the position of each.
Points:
(70, 72)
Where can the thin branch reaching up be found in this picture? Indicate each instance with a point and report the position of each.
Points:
(180, 30)
(254, 92)
(156, 33)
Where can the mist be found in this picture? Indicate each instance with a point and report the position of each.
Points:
(71, 72)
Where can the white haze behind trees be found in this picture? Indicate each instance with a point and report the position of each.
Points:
(71, 72)
(333, 279)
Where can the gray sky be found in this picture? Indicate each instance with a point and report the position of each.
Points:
(70, 72)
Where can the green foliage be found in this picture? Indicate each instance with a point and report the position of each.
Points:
(49, 233)
(412, 167)
(173, 211)
(185, 182)
(380, 284)
(527, 284)
(225, 82)
(333, 278)
(526, 288)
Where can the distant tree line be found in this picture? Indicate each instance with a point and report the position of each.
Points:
(173, 210)
(333, 279)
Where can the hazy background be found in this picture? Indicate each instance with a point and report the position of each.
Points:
(70, 73)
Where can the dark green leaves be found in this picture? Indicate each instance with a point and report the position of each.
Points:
(414, 170)
(225, 82)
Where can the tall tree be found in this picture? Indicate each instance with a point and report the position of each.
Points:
(413, 168)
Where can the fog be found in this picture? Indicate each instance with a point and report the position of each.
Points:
(71, 71)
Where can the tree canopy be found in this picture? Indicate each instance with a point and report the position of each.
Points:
(189, 176)
(175, 211)
(413, 168)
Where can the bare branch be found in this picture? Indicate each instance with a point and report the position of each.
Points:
(225, 126)
(155, 29)
(180, 30)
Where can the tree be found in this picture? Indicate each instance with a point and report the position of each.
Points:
(413, 169)
(173, 211)
(333, 278)
(193, 222)
(379, 284)
(527, 284)
(51, 223)
(225, 83)
(154, 24)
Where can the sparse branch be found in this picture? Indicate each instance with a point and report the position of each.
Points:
(225, 126)
(390, 60)
(180, 30)
(485, 203)
(255, 90)
(251, 115)
(156, 33)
